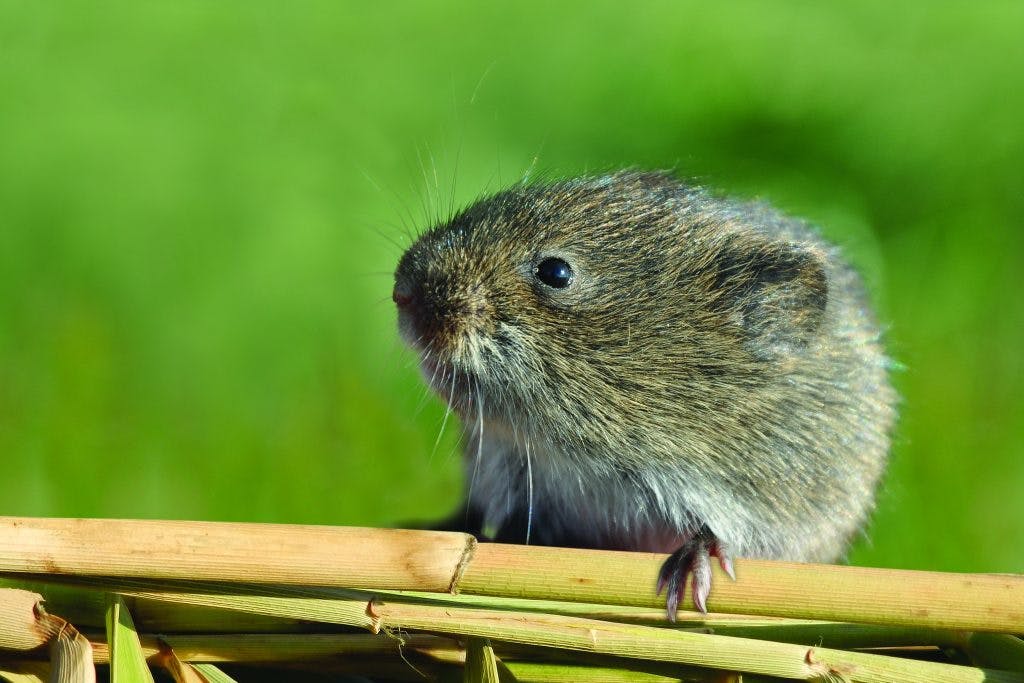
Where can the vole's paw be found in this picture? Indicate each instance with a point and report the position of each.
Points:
(693, 557)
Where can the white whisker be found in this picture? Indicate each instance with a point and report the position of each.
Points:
(529, 492)
(430, 383)
(479, 445)
(447, 414)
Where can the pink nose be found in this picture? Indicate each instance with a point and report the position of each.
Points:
(401, 298)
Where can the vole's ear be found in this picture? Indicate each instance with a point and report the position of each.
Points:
(775, 291)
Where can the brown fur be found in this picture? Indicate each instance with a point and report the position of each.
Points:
(712, 362)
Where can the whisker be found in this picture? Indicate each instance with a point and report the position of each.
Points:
(426, 196)
(405, 214)
(428, 387)
(529, 492)
(533, 164)
(436, 217)
(447, 414)
(472, 98)
(455, 176)
(479, 447)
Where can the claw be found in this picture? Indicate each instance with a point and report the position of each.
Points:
(693, 557)
(668, 577)
(701, 585)
(725, 562)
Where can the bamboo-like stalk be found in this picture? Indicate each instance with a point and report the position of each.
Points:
(177, 617)
(528, 596)
(834, 634)
(720, 652)
(294, 647)
(285, 647)
(352, 557)
(83, 601)
(529, 629)
(441, 561)
(980, 602)
(297, 648)
(354, 613)
(625, 640)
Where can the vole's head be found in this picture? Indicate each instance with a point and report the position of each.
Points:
(576, 307)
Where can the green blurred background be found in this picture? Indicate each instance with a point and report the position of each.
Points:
(201, 205)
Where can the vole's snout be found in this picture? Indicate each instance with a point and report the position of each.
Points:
(406, 300)
(402, 296)
(434, 313)
(413, 317)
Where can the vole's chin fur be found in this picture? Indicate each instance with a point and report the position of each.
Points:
(712, 365)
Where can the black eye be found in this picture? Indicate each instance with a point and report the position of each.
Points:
(554, 272)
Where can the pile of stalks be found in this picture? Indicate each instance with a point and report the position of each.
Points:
(189, 601)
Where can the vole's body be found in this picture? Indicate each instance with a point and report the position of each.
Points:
(710, 365)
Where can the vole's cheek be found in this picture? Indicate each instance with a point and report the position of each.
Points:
(407, 330)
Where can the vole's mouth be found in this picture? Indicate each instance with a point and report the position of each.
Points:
(441, 365)
(454, 385)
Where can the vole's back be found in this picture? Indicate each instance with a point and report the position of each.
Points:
(634, 360)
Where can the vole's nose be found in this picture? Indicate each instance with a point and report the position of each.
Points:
(402, 296)
(425, 308)
(417, 312)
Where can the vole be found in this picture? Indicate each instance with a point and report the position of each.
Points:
(640, 364)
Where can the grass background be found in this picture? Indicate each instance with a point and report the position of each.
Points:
(198, 204)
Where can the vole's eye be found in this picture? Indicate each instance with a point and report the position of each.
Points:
(554, 272)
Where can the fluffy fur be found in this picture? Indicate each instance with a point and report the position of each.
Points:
(712, 362)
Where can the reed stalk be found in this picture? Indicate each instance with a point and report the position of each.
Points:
(484, 611)
(767, 658)
(352, 557)
(977, 602)
(452, 562)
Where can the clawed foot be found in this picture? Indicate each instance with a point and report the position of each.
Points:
(693, 557)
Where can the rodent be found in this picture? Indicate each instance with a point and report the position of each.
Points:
(641, 364)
